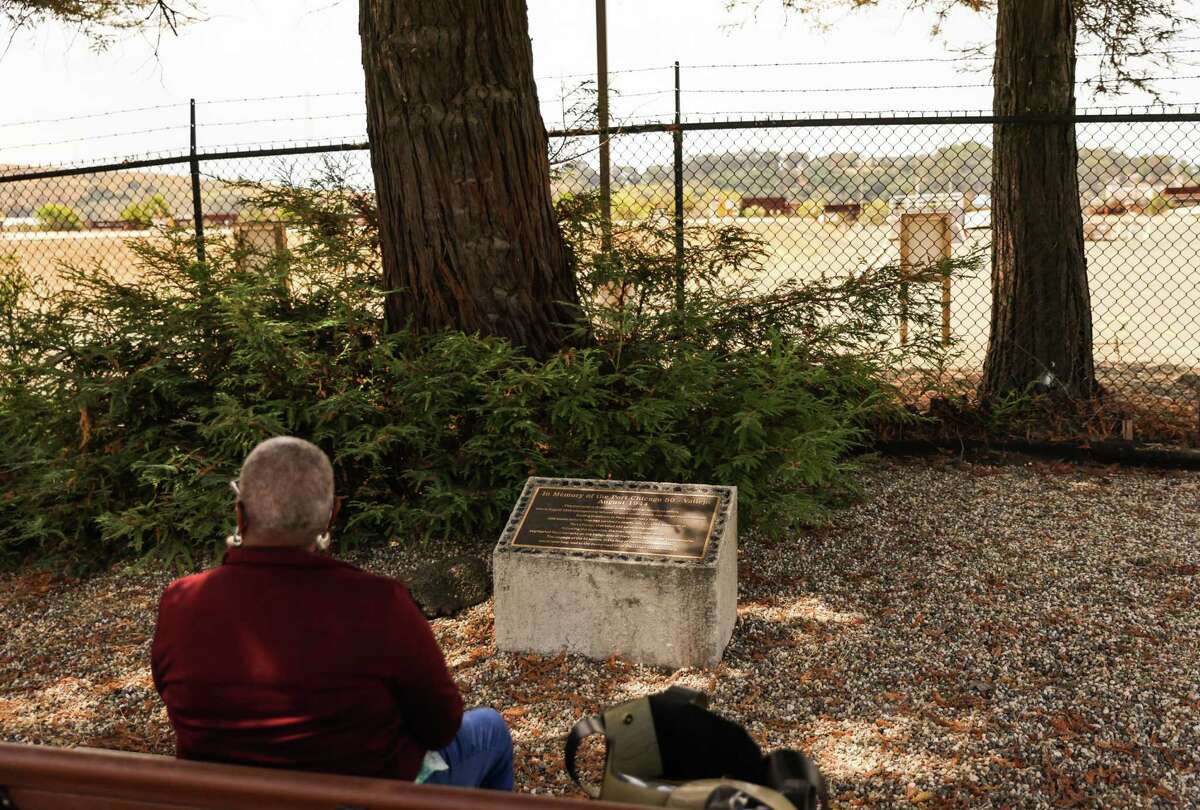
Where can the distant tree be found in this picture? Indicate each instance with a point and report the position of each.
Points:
(1159, 204)
(144, 213)
(132, 214)
(810, 209)
(1041, 307)
(876, 212)
(58, 217)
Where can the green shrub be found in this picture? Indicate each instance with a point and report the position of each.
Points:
(876, 212)
(754, 211)
(632, 203)
(125, 409)
(810, 209)
(144, 213)
(58, 217)
(1159, 204)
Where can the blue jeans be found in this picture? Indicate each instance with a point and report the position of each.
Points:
(481, 755)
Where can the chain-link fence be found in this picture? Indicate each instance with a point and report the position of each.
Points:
(54, 219)
(827, 197)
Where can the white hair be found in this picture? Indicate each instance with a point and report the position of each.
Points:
(286, 484)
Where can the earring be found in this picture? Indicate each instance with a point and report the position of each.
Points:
(323, 541)
(234, 540)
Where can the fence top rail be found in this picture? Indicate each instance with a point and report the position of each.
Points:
(849, 120)
(898, 119)
(183, 159)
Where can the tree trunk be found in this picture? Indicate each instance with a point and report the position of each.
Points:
(467, 229)
(1041, 309)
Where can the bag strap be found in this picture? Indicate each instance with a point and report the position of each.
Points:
(684, 694)
(726, 793)
(796, 776)
(585, 728)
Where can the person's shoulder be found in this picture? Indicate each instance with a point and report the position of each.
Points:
(192, 581)
(186, 586)
(370, 579)
(375, 586)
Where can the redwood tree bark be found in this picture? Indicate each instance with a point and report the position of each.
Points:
(1041, 308)
(458, 147)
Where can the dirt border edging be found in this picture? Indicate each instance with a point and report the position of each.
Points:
(1131, 454)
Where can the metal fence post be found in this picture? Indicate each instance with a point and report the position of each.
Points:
(197, 205)
(677, 135)
(1139, 231)
(602, 115)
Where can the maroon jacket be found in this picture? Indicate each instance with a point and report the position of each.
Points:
(286, 658)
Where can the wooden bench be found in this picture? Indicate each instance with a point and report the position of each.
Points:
(35, 777)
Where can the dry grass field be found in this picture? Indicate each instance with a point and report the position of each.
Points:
(1145, 278)
(45, 254)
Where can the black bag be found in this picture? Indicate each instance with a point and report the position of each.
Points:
(669, 750)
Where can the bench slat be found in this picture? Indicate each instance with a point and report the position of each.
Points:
(31, 799)
(46, 778)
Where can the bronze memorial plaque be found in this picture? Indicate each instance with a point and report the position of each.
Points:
(623, 521)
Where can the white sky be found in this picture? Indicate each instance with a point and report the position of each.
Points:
(309, 50)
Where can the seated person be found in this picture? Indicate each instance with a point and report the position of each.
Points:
(284, 657)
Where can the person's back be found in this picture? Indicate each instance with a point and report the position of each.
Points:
(289, 658)
(285, 657)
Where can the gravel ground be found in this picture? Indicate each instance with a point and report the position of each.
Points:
(1000, 633)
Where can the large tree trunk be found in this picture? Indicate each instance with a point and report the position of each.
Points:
(1041, 310)
(467, 228)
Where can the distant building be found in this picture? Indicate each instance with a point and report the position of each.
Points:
(1183, 195)
(771, 205)
(112, 225)
(220, 219)
(978, 219)
(19, 223)
(1121, 198)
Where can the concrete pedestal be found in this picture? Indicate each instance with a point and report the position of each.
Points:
(648, 609)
